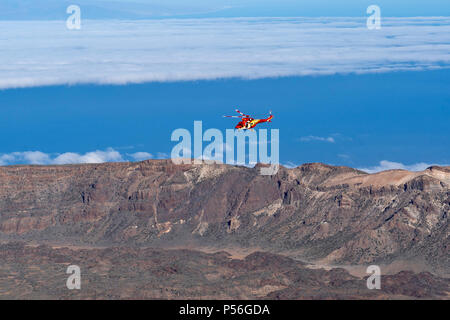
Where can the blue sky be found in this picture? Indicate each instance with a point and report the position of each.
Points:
(400, 117)
(116, 89)
(144, 9)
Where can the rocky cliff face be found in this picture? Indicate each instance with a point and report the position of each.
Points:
(325, 214)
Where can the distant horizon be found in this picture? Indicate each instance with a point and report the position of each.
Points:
(362, 17)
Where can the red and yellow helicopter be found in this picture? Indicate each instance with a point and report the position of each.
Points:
(247, 122)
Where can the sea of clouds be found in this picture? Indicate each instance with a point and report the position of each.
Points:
(97, 156)
(37, 53)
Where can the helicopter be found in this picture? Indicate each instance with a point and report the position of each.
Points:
(248, 122)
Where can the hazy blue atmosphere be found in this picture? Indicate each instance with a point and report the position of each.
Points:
(355, 120)
(145, 9)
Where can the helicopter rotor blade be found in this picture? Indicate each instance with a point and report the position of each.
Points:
(242, 114)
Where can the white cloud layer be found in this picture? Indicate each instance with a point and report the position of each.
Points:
(98, 156)
(90, 157)
(36, 53)
(316, 138)
(139, 156)
(389, 165)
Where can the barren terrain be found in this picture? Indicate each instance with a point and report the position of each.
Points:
(154, 229)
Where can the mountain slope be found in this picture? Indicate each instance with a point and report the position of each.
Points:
(326, 214)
